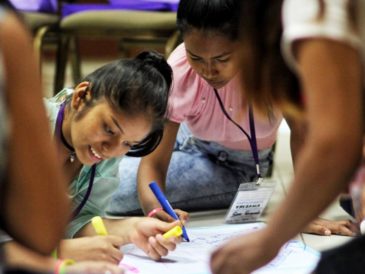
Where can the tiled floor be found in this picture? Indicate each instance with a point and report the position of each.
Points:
(283, 172)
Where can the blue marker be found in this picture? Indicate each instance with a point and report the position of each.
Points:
(166, 205)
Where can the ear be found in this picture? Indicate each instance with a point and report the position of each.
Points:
(81, 94)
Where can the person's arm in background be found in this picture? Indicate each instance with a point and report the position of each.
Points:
(153, 167)
(318, 226)
(18, 256)
(36, 207)
(331, 79)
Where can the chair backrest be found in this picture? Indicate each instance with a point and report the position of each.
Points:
(47, 6)
(169, 5)
(142, 5)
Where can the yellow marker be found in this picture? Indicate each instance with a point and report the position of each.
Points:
(173, 232)
(99, 226)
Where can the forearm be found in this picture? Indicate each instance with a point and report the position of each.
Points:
(297, 139)
(154, 168)
(117, 227)
(148, 174)
(19, 256)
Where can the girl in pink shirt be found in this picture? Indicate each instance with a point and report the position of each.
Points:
(203, 156)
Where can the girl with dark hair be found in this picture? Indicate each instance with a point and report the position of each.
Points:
(318, 79)
(204, 156)
(118, 109)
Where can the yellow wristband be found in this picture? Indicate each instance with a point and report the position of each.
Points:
(54, 253)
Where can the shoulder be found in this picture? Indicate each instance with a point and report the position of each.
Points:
(331, 20)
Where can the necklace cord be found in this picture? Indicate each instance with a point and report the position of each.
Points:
(252, 140)
(58, 132)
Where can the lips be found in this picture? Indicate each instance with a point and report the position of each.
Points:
(95, 155)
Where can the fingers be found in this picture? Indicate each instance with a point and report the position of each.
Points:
(116, 254)
(315, 228)
(110, 249)
(163, 216)
(183, 215)
(344, 228)
(159, 246)
(326, 228)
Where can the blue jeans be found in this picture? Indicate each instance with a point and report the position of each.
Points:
(201, 175)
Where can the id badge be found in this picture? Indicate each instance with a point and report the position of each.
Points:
(250, 201)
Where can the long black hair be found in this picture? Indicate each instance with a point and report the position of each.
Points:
(267, 80)
(136, 86)
(221, 16)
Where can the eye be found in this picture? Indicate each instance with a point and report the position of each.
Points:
(195, 58)
(126, 144)
(223, 60)
(108, 130)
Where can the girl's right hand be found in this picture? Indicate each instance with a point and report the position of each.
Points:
(95, 248)
(164, 216)
(91, 267)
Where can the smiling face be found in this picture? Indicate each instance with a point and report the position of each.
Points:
(99, 132)
(213, 56)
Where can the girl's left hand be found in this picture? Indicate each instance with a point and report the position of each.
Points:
(147, 235)
(326, 227)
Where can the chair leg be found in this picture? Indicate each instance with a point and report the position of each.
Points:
(38, 44)
(172, 43)
(75, 60)
(61, 62)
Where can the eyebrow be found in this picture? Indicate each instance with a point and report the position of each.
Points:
(214, 57)
(122, 131)
(117, 125)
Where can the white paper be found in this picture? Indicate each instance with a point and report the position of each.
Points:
(193, 257)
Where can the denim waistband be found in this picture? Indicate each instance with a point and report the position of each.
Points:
(185, 140)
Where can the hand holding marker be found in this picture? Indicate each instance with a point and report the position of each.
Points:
(166, 205)
(173, 232)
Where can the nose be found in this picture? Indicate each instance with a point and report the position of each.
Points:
(209, 70)
(113, 148)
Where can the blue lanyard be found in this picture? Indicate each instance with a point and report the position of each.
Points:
(58, 132)
(251, 139)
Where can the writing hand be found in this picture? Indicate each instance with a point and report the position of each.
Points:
(163, 216)
(243, 254)
(147, 235)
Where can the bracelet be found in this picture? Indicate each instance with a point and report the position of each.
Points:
(60, 267)
(54, 253)
(154, 211)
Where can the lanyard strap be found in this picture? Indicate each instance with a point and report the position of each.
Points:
(87, 195)
(58, 132)
(252, 140)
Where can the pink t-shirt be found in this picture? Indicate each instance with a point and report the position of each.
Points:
(193, 102)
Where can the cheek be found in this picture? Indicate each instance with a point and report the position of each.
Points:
(195, 66)
(230, 70)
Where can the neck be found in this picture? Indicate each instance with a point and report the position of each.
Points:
(66, 130)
